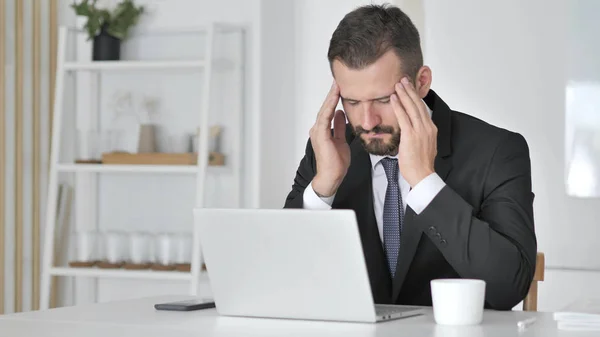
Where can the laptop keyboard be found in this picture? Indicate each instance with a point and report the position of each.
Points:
(385, 310)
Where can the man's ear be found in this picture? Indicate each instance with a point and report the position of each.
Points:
(423, 81)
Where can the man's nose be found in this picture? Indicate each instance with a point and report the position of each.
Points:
(370, 117)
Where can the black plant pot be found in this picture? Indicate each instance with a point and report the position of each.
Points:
(106, 47)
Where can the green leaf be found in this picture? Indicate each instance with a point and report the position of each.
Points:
(117, 23)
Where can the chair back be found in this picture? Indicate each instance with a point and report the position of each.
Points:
(530, 302)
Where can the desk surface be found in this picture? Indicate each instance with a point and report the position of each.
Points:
(138, 318)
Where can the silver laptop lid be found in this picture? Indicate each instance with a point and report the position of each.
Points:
(286, 263)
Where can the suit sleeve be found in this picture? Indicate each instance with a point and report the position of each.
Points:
(497, 245)
(304, 175)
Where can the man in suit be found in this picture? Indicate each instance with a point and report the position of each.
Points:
(437, 193)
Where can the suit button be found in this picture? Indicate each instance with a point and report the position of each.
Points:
(432, 230)
(443, 242)
(439, 236)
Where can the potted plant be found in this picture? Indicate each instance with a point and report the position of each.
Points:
(106, 26)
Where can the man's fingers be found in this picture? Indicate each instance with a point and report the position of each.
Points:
(339, 125)
(403, 120)
(412, 92)
(409, 106)
(325, 115)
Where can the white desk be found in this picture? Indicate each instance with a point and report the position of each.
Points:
(138, 318)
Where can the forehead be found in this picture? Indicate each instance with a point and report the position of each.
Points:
(375, 80)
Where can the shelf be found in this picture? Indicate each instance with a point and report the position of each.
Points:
(133, 65)
(115, 168)
(198, 29)
(100, 168)
(123, 273)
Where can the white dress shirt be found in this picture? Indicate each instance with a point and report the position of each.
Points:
(417, 198)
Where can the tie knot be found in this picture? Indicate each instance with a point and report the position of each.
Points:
(390, 165)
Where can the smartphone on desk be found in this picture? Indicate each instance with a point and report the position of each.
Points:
(186, 305)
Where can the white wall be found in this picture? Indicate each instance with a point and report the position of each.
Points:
(582, 129)
(278, 99)
(504, 62)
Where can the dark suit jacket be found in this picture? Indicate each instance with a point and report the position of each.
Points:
(479, 226)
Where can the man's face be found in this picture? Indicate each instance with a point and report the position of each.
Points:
(365, 97)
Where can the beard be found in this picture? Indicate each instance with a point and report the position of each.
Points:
(380, 147)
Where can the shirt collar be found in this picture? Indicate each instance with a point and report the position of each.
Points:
(375, 159)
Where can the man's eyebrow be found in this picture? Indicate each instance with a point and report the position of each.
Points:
(372, 99)
(381, 98)
(348, 99)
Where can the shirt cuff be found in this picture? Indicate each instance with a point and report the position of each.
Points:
(423, 193)
(313, 201)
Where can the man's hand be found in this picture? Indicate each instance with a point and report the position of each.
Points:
(332, 152)
(418, 134)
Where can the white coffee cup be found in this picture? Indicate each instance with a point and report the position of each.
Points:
(458, 301)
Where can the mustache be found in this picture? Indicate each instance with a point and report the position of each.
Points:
(378, 129)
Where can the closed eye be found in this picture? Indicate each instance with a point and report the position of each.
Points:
(383, 101)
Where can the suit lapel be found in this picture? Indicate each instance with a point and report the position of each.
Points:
(357, 190)
(442, 118)
(411, 234)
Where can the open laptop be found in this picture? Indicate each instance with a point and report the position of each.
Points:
(294, 264)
